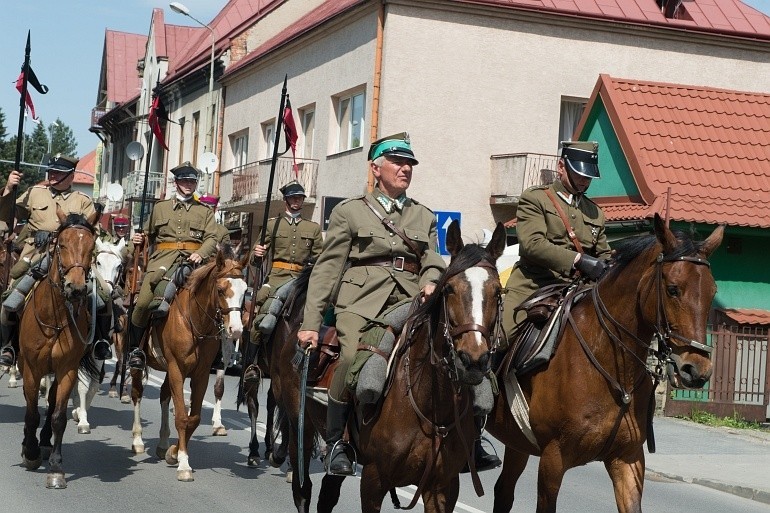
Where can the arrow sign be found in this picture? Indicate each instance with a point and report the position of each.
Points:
(443, 220)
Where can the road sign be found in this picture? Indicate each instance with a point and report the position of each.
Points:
(443, 220)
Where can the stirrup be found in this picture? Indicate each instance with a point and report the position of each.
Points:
(252, 374)
(101, 350)
(137, 359)
(340, 449)
(7, 357)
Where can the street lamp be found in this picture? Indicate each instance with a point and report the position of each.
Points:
(182, 9)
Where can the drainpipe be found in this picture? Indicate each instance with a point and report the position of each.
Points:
(220, 133)
(376, 87)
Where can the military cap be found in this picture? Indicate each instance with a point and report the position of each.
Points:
(397, 145)
(62, 163)
(185, 171)
(120, 221)
(209, 199)
(582, 157)
(292, 188)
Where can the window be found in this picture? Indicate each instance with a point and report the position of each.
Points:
(571, 110)
(307, 115)
(181, 141)
(240, 149)
(196, 137)
(268, 135)
(350, 119)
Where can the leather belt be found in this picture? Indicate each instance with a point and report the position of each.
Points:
(397, 263)
(287, 266)
(183, 246)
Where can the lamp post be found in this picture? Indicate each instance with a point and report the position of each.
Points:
(180, 8)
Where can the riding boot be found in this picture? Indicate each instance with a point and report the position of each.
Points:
(101, 349)
(10, 345)
(337, 460)
(136, 358)
(253, 374)
(484, 460)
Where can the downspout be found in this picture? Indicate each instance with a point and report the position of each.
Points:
(220, 132)
(376, 87)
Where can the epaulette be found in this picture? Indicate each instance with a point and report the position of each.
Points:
(539, 187)
(362, 196)
(420, 204)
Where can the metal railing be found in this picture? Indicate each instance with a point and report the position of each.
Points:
(133, 185)
(513, 173)
(249, 183)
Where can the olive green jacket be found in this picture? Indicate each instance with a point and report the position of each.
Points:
(222, 235)
(355, 233)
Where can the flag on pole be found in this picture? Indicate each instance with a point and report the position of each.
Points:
(34, 82)
(158, 112)
(290, 129)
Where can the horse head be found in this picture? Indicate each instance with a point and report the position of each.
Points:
(471, 295)
(109, 261)
(231, 290)
(74, 248)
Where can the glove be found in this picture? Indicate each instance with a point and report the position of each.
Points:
(41, 238)
(591, 267)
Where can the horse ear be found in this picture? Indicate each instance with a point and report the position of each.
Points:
(100, 246)
(713, 241)
(496, 245)
(121, 244)
(454, 240)
(665, 236)
(60, 214)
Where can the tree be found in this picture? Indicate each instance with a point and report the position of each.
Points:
(63, 140)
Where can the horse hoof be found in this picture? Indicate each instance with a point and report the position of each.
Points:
(31, 464)
(13, 384)
(184, 476)
(126, 399)
(112, 393)
(45, 451)
(137, 449)
(219, 431)
(84, 430)
(253, 461)
(56, 481)
(274, 461)
(75, 416)
(289, 476)
(160, 453)
(171, 458)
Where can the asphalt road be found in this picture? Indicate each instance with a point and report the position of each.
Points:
(103, 474)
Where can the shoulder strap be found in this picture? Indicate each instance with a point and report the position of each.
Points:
(389, 224)
(570, 230)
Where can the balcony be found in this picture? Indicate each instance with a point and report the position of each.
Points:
(133, 185)
(513, 173)
(246, 185)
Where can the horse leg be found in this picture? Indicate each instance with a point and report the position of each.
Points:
(30, 448)
(216, 418)
(329, 495)
(118, 364)
(186, 423)
(442, 499)
(627, 476)
(161, 451)
(270, 428)
(550, 474)
(80, 402)
(65, 383)
(46, 432)
(252, 404)
(13, 375)
(373, 490)
(302, 495)
(514, 464)
(137, 389)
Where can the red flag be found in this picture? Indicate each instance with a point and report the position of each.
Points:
(290, 129)
(34, 82)
(158, 112)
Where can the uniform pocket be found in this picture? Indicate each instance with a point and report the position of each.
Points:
(420, 237)
(372, 242)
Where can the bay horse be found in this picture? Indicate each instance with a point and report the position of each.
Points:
(184, 345)
(594, 400)
(54, 333)
(424, 429)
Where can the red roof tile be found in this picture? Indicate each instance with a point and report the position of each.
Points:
(87, 164)
(711, 147)
(122, 51)
(747, 316)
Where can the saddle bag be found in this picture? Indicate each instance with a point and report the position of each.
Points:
(541, 305)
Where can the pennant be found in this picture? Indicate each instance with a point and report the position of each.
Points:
(158, 112)
(290, 129)
(34, 82)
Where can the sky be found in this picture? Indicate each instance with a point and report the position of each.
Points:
(67, 40)
(67, 43)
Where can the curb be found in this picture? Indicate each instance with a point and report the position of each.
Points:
(740, 491)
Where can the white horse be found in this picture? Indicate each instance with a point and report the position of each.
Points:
(229, 353)
(108, 265)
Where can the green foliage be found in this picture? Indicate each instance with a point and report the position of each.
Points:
(63, 140)
(709, 419)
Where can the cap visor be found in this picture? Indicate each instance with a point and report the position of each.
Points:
(586, 169)
(402, 155)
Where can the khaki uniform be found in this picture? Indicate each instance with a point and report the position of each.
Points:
(38, 206)
(365, 291)
(546, 252)
(189, 225)
(222, 235)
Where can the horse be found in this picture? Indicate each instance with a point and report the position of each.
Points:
(422, 431)
(53, 335)
(184, 345)
(594, 399)
(13, 372)
(228, 350)
(119, 339)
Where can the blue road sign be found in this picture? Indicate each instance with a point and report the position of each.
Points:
(443, 220)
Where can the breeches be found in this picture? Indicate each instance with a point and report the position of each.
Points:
(141, 314)
(511, 301)
(349, 326)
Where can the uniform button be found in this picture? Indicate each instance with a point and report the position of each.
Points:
(573, 216)
(371, 233)
(394, 243)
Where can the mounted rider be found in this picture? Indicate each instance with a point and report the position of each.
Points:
(37, 205)
(182, 231)
(290, 241)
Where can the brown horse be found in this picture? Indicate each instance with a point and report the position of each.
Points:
(184, 345)
(53, 334)
(594, 399)
(424, 431)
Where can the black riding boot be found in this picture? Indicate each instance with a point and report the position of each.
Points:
(484, 460)
(337, 460)
(101, 349)
(253, 374)
(10, 348)
(136, 358)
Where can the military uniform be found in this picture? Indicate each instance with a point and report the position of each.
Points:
(546, 252)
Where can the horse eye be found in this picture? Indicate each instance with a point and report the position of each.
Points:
(673, 290)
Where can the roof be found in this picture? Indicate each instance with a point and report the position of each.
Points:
(86, 164)
(720, 16)
(747, 315)
(710, 146)
(123, 50)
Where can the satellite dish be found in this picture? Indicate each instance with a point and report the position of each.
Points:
(135, 150)
(114, 192)
(208, 162)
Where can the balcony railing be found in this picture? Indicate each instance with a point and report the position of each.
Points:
(248, 183)
(513, 173)
(133, 185)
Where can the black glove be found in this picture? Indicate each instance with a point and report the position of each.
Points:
(590, 267)
(41, 238)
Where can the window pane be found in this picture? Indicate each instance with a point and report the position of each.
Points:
(308, 131)
(571, 110)
(344, 124)
(357, 120)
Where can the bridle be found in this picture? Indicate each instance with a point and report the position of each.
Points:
(219, 316)
(63, 271)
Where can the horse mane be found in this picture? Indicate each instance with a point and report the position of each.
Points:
(199, 275)
(627, 249)
(74, 219)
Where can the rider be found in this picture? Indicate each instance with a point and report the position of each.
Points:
(548, 254)
(223, 234)
(37, 205)
(374, 269)
(182, 230)
(291, 241)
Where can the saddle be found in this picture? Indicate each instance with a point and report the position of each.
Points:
(323, 360)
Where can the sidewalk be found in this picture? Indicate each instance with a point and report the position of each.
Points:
(735, 461)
